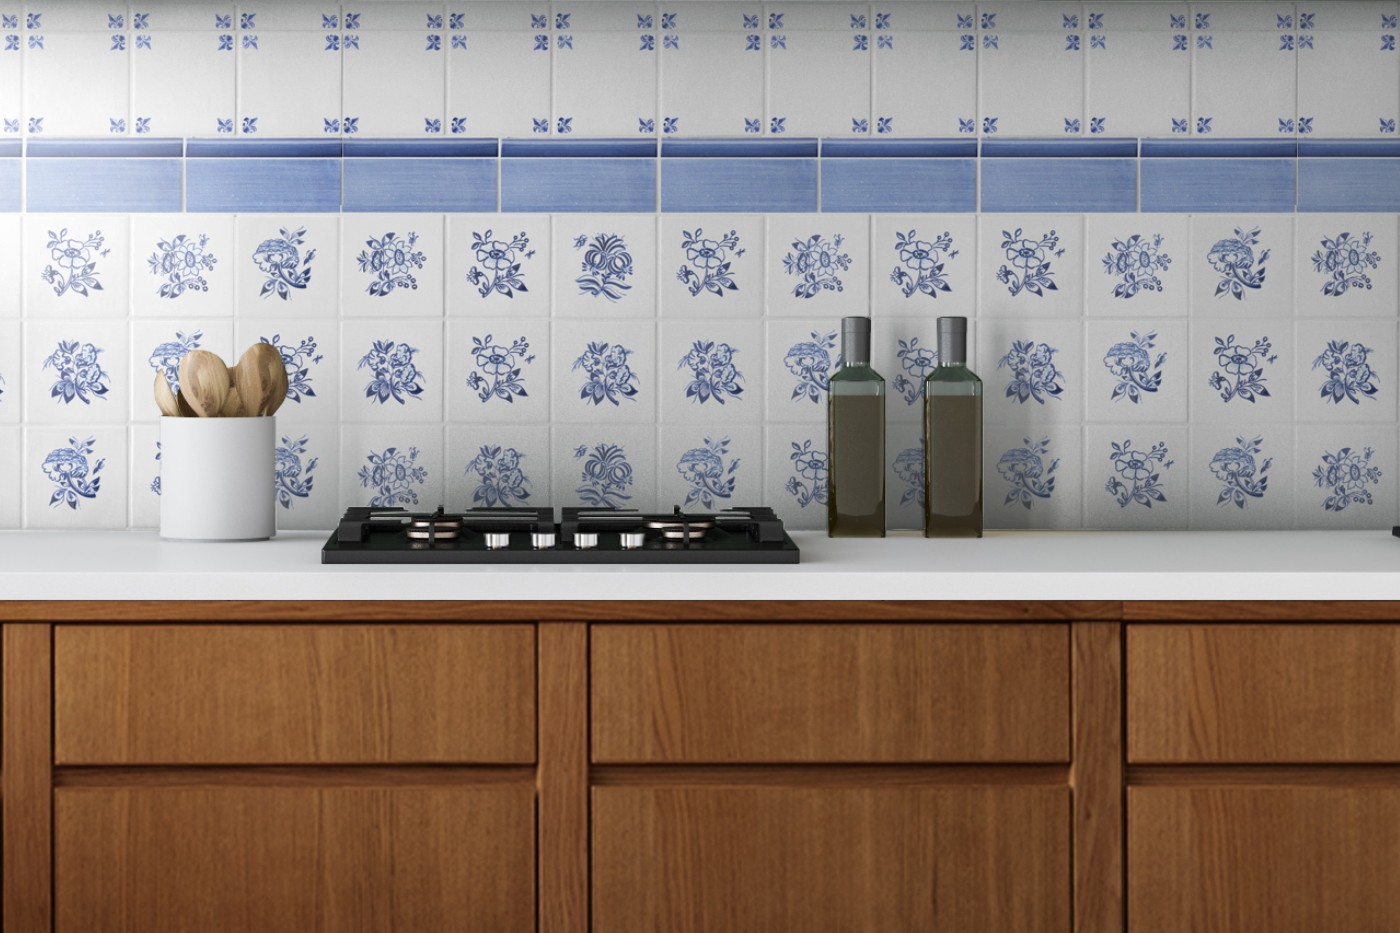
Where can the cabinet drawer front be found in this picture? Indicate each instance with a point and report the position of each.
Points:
(292, 860)
(833, 693)
(830, 860)
(256, 694)
(1263, 693)
(1281, 859)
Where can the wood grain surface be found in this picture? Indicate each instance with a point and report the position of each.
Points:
(563, 777)
(1096, 777)
(1269, 859)
(294, 693)
(25, 753)
(295, 860)
(1263, 693)
(830, 860)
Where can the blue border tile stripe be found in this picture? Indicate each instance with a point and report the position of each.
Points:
(420, 185)
(578, 148)
(769, 148)
(1349, 148)
(421, 148)
(136, 185)
(1200, 148)
(11, 149)
(9, 185)
(262, 185)
(1349, 185)
(1177, 185)
(899, 185)
(105, 148)
(899, 148)
(766, 185)
(1069, 148)
(247, 148)
(562, 185)
(1088, 185)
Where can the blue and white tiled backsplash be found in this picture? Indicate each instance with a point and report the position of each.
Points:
(532, 253)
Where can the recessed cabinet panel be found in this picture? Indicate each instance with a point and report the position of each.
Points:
(1263, 693)
(830, 693)
(257, 694)
(1281, 859)
(831, 859)
(293, 860)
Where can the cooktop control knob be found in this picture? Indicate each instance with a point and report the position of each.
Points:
(631, 540)
(496, 540)
(542, 540)
(584, 540)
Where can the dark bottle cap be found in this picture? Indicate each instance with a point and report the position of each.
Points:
(855, 340)
(952, 341)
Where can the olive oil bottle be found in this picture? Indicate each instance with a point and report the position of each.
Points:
(952, 439)
(855, 428)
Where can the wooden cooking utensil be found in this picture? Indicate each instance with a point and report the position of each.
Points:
(261, 379)
(233, 405)
(185, 410)
(165, 399)
(204, 382)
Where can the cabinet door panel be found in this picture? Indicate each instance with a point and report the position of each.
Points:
(1278, 859)
(294, 860)
(830, 859)
(832, 693)
(1263, 693)
(275, 694)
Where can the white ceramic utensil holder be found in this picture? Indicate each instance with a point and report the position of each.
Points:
(216, 479)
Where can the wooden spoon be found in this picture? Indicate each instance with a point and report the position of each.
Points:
(233, 406)
(261, 379)
(185, 410)
(204, 382)
(165, 399)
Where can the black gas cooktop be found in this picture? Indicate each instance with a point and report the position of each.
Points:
(583, 536)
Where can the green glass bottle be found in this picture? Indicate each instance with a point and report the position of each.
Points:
(952, 439)
(855, 438)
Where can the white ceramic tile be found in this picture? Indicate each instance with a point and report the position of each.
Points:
(709, 469)
(1033, 371)
(1139, 82)
(605, 16)
(1212, 16)
(604, 466)
(498, 465)
(391, 265)
(498, 264)
(306, 476)
(158, 346)
(711, 265)
(696, 15)
(393, 15)
(1346, 264)
(801, 356)
(1142, 484)
(11, 451)
(306, 60)
(836, 16)
(1333, 65)
(479, 60)
(908, 61)
(1006, 63)
(179, 14)
(604, 372)
(76, 83)
(711, 83)
(905, 351)
(11, 87)
(182, 265)
(76, 265)
(796, 474)
(818, 264)
(819, 83)
(1137, 371)
(391, 371)
(391, 465)
(11, 264)
(605, 83)
(1218, 61)
(1347, 371)
(377, 70)
(502, 14)
(164, 101)
(73, 17)
(284, 16)
(1234, 363)
(1242, 477)
(287, 265)
(143, 498)
(11, 377)
(75, 477)
(498, 371)
(1032, 482)
(1242, 265)
(605, 265)
(711, 372)
(1019, 258)
(932, 265)
(914, 14)
(310, 351)
(1346, 477)
(904, 476)
(76, 373)
(1350, 14)
(1134, 15)
(1137, 265)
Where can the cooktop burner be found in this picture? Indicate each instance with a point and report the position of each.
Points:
(583, 536)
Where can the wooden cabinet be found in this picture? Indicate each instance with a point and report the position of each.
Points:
(831, 859)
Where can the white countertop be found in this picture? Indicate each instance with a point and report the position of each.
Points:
(1071, 565)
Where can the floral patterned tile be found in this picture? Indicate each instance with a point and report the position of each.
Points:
(1242, 369)
(1241, 265)
(1032, 372)
(496, 465)
(1345, 477)
(904, 476)
(391, 371)
(1137, 370)
(183, 265)
(711, 264)
(818, 264)
(605, 265)
(1137, 265)
(709, 468)
(391, 465)
(1136, 476)
(1347, 264)
(306, 475)
(924, 265)
(391, 265)
(1347, 371)
(604, 372)
(711, 372)
(797, 475)
(604, 466)
(76, 265)
(498, 370)
(75, 477)
(287, 265)
(801, 356)
(1242, 476)
(1031, 265)
(498, 265)
(76, 373)
(1033, 482)
(905, 351)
